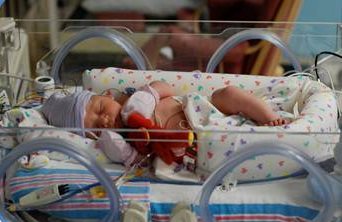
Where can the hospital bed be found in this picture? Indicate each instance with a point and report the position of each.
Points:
(287, 162)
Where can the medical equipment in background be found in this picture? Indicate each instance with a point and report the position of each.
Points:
(44, 85)
(14, 60)
(333, 63)
(44, 195)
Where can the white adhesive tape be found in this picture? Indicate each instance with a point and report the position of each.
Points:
(44, 83)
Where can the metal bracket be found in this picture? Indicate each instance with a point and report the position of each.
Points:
(229, 183)
(8, 41)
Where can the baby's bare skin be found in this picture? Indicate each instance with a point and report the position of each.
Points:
(169, 114)
(232, 100)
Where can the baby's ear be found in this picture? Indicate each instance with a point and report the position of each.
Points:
(107, 93)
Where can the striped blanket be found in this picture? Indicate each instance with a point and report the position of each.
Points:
(287, 200)
(83, 206)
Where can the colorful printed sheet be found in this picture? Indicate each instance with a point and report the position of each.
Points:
(310, 105)
(286, 200)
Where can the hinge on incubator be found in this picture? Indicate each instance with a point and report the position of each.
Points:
(229, 183)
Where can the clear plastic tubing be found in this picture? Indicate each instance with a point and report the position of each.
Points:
(116, 37)
(269, 148)
(58, 145)
(251, 34)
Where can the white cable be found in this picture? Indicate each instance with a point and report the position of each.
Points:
(302, 74)
(288, 72)
(17, 77)
(332, 87)
(307, 72)
(313, 77)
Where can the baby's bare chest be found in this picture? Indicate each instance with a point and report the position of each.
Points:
(169, 114)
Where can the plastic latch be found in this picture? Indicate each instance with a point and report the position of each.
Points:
(229, 183)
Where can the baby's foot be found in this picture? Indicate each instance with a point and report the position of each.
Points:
(277, 122)
(136, 211)
(182, 213)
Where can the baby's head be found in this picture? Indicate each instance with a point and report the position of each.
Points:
(82, 110)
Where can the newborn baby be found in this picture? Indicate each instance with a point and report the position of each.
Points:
(156, 102)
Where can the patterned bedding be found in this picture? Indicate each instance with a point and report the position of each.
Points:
(285, 200)
(310, 105)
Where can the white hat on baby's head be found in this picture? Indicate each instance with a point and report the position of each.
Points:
(67, 111)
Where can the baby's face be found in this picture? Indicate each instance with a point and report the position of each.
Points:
(102, 112)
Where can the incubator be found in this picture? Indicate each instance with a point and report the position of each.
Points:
(238, 170)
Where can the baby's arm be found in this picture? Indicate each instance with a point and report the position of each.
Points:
(162, 88)
(117, 149)
(145, 100)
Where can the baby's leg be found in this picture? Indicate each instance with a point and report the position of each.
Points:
(231, 100)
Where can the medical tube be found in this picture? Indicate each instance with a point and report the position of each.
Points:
(335, 179)
(58, 145)
(338, 154)
(5, 216)
(251, 34)
(335, 182)
(269, 148)
(116, 37)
